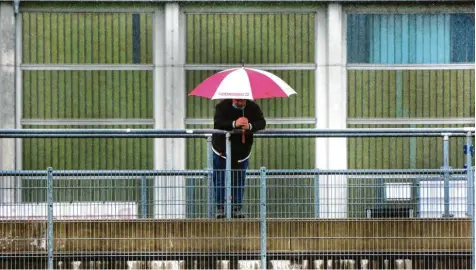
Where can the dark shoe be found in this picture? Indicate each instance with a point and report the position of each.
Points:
(220, 213)
(236, 213)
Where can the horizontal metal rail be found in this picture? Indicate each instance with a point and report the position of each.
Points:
(258, 135)
(359, 172)
(272, 172)
(185, 133)
(143, 256)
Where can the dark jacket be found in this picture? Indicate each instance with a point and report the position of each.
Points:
(225, 115)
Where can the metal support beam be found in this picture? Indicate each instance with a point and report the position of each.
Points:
(50, 225)
(468, 151)
(18, 93)
(316, 196)
(210, 192)
(94, 67)
(143, 196)
(410, 66)
(228, 173)
(262, 216)
(446, 185)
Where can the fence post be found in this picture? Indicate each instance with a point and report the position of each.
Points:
(228, 176)
(262, 216)
(49, 200)
(380, 194)
(468, 151)
(143, 196)
(316, 195)
(446, 167)
(473, 216)
(416, 183)
(210, 178)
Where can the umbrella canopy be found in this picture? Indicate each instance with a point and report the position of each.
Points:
(243, 83)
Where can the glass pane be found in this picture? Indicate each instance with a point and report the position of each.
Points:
(88, 153)
(404, 152)
(87, 94)
(300, 105)
(410, 38)
(272, 153)
(86, 38)
(410, 93)
(253, 38)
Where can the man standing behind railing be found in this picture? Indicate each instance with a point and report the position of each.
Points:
(229, 115)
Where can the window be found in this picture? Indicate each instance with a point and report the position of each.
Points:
(410, 38)
(398, 191)
(432, 198)
(393, 82)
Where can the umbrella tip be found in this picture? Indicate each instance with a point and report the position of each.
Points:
(242, 63)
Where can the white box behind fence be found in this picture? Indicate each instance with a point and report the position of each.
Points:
(75, 210)
(432, 202)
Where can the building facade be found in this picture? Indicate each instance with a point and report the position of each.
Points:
(112, 64)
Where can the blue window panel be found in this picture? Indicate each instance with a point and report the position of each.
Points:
(402, 39)
(462, 38)
(410, 38)
(357, 39)
(136, 38)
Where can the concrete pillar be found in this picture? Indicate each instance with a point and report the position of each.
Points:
(169, 109)
(337, 101)
(331, 112)
(322, 150)
(7, 97)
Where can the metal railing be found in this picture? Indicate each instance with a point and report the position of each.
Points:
(440, 199)
(283, 205)
(446, 133)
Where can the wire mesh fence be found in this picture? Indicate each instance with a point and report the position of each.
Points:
(283, 219)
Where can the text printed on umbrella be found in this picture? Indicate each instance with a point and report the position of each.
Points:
(234, 94)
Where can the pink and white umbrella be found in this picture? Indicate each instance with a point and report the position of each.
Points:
(243, 83)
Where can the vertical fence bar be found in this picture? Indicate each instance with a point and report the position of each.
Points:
(470, 184)
(446, 176)
(471, 195)
(210, 178)
(316, 195)
(143, 196)
(228, 176)
(49, 196)
(473, 217)
(416, 183)
(262, 216)
(380, 194)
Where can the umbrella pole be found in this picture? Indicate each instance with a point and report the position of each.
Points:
(243, 131)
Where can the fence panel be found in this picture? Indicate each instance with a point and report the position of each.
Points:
(396, 219)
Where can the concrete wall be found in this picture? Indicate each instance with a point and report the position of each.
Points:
(7, 83)
(7, 97)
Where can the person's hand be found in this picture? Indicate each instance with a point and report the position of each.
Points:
(240, 122)
(246, 126)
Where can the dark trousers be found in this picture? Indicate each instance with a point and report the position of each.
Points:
(238, 179)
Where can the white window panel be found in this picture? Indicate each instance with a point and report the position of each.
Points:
(432, 198)
(398, 191)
